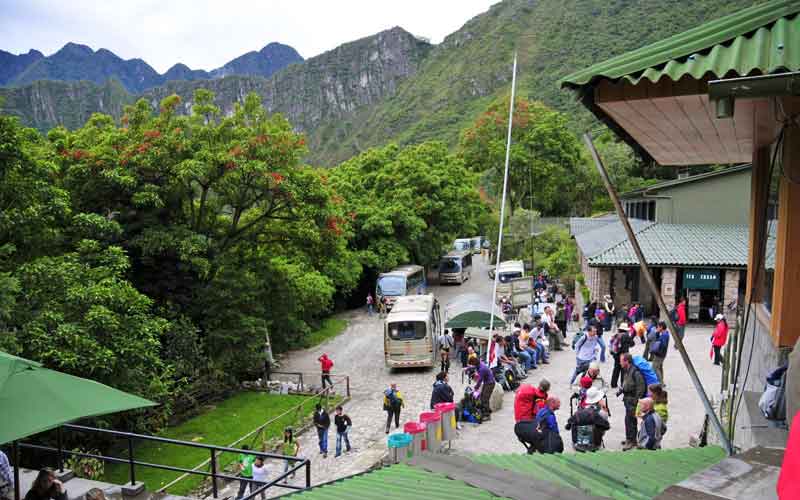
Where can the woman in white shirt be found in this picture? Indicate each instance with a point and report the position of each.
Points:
(260, 475)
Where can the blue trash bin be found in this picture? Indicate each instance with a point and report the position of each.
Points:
(399, 447)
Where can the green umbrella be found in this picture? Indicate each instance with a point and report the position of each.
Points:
(34, 399)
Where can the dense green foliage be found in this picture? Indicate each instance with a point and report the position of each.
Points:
(156, 256)
(545, 162)
(407, 204)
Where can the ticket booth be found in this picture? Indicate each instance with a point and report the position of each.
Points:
(702, 290)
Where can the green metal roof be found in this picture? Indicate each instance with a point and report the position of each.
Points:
(654, 188)
(763, 38)
(636, 474)
(396, 483)
(700, 245)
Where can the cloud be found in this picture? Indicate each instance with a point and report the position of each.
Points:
(207, 34)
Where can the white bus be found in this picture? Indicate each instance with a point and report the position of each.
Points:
(510, 269)
(455, 267)
(462, 244)
(403, 280)
(476, 243)
(411, 332)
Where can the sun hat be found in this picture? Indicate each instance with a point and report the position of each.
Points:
(719, 317)
(594, 395)
(623, 327)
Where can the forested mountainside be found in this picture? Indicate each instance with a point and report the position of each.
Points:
(394, 87)
(75, 62)
(323, 89)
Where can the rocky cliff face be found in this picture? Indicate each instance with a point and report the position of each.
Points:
(324, 89)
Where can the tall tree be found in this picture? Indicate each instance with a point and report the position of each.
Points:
(546, 170)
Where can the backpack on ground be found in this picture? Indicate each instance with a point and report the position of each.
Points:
(646, 369)
(773, 401)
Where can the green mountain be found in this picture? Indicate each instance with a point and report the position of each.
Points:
(395, 87)
(12, 64)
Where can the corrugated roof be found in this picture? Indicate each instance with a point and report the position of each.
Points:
(637, 474)
(578, 225)
(600, 239)
(395, 483)
(681, 245)
(654, 188)
(761, 39)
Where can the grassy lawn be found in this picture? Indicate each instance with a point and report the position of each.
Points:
(330, 328)
(226, 422)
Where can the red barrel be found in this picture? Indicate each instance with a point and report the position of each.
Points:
(448, 412)
(433, 429)
(417, 432)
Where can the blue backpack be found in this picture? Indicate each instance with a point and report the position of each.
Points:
(646, 369)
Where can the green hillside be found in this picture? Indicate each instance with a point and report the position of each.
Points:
(464, 73)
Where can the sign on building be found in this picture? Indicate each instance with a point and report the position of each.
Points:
(701, 279)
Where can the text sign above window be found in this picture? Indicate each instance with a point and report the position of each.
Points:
(701, 279)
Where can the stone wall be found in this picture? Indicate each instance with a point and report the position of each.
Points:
(621, 294)
(730, 295)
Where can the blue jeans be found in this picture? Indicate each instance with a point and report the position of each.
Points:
(602, 349)
(369, 309)
(525, 358)
(339, 437)
(541, 353)
(322, 434)
(580, 367)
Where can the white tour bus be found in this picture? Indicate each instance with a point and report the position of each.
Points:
(476, 243)
(403, 280)
(462, 244)
(455, 267)
(411, 332)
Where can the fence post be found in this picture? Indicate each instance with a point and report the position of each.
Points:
(214, 472)
(130, 461)
(308, 473)
(347, 380)
(60, 450)
(302, 385)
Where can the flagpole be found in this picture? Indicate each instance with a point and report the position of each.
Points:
(503, 203)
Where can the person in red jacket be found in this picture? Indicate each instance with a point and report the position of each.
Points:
(529, 400)
(326, 364)
(681, 323)
(719, 337)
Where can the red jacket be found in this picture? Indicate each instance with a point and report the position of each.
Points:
(326, 363)
(527, 402)
(682, 314)
(720, 335)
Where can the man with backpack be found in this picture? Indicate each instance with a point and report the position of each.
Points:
(322, 421)
(446, 342)
(392, 404)
(584, 352)
(528, 400)
(652, 429)
(658, 350)
(633, 388)
(590, 422)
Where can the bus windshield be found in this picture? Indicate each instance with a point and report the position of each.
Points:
(407, 330)
(392, 285)
(506, 277)
(449, 266)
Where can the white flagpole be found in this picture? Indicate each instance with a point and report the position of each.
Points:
(503, 205)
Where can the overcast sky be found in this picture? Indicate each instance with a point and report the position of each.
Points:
(205, 34)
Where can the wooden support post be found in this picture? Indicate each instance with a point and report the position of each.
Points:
(786, 282)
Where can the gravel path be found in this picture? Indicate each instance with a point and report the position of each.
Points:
(358, 352)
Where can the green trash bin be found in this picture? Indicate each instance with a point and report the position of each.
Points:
(400, 447)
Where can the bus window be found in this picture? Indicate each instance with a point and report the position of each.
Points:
(407, 330)
(391, 285)
(506, 277)
(449, 266)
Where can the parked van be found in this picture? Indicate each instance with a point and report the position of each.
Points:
(455, 267)
(476, 243)
(403, 280)
(411, 331)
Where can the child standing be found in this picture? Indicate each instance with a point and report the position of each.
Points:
(291, 448)
(343, 425)
(260, 475)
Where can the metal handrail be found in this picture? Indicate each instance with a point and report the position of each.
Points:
(214, 449)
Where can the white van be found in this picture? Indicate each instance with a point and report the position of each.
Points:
(411, 331)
